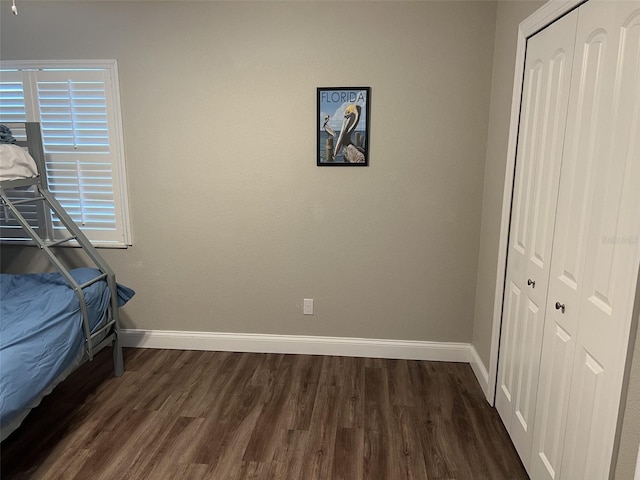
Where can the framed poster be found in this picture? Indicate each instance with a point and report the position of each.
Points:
(343, 126)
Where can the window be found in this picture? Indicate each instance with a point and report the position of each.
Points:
(77, 105)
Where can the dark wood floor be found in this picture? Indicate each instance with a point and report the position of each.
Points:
(196, 415)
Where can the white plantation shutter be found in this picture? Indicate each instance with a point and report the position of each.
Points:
(74, 118)
(11, 229)
(85, 190)
(12, 101)
(74, 110)
(78, 111)
(13, 109)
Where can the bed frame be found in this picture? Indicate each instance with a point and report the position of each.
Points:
(110, 332)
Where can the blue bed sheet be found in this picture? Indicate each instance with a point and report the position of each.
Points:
(41, 332)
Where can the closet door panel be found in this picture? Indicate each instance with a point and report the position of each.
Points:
(511, 353)
(540, 144)
(530, 326)
(552, 401)
(613, 249)
(593, 271)
(575, 203)
(508, 351)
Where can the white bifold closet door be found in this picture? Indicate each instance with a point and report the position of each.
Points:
(541, 135)
(596, 251)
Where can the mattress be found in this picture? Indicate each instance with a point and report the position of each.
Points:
(41, 336)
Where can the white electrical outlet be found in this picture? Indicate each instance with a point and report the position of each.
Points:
(307, 306)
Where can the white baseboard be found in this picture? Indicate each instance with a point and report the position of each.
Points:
(300, 344)
(480, 371)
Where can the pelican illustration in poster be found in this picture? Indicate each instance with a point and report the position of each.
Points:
(343, 126)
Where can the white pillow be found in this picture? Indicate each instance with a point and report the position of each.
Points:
(16, 163)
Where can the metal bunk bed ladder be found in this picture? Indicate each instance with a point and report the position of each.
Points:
(42, 194)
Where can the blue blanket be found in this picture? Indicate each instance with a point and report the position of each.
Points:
(41, 332)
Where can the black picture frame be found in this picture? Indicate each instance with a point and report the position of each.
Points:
(343, 116)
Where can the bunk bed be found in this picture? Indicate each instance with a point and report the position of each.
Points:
(50, 323)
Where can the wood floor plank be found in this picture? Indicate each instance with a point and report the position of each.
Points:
(233, 428)
(400, 388)
(175, 448)
(377, 427)
(131, 460)
(348, 455)
(304, 376)
(351, 401)
(254, 471)
(267, 370)
(187, 415)
(439, 457)
(212, 385)
(261, 445)
(112, 444)
(406, 446)
(288, 459)
(375, 459)
(320, 445)
(67, 467)
(234, 441)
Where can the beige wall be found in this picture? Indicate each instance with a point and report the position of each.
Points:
(233, 223)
